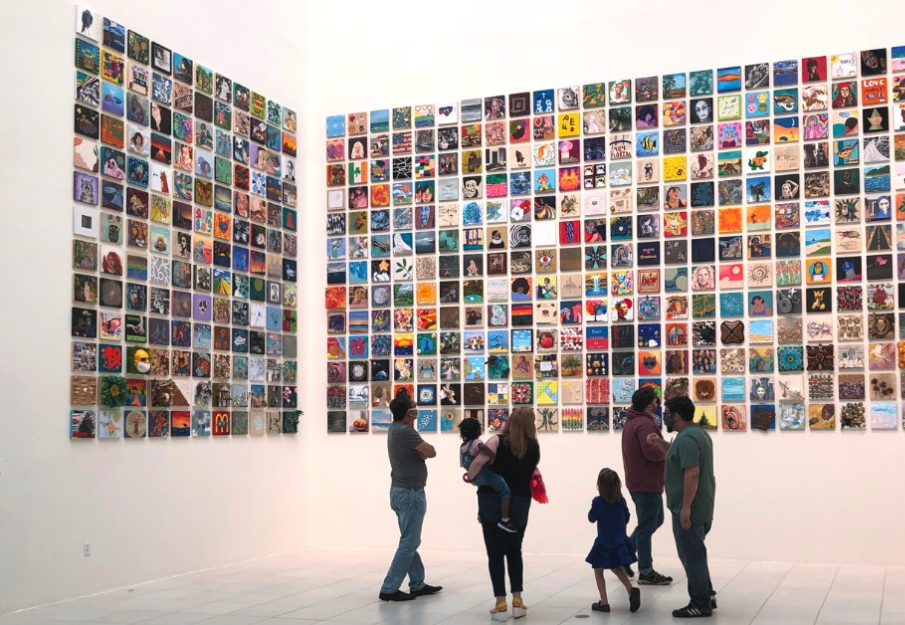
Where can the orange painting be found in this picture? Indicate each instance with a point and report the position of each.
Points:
(427, 318)
(730, 219)
(759, 218)
(335, 297)
(427, 293)
(380, 195)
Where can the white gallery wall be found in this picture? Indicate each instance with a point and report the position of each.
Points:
(149, 508)
(805, 496)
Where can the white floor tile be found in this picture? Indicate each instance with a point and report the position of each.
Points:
(131, 616)
(341, 587)
(218, 608)
(61, 612)
(315, 612)
(797, 598)
(888, 617)
(178, 618)
(231, 619)
(792, 613)
(848, 617)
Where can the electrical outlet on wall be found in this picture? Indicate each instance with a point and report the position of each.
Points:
(86, 550)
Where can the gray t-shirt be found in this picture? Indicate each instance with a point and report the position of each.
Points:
(408, 467)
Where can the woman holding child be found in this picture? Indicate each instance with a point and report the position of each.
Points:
(514, 455)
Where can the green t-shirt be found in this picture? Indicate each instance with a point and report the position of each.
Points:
(692, 448)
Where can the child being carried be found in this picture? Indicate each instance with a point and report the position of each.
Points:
(470, 430)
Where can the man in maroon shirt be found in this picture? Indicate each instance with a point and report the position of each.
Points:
(644, 473)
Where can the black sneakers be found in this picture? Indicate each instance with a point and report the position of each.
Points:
(399, 595)
(654, 579)
(691, 612)
(634, 599)
(427, 589)
(507, 526)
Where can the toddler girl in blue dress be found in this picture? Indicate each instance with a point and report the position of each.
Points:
(613, 549)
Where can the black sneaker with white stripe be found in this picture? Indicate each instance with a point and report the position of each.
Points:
(690, 611)
(654, 579)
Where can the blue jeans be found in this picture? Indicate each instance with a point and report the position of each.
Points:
(410, 506)
(504, 550)
(649, 508)
(488, 477)
(693, 554)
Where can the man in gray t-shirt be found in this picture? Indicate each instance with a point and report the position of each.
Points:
(408, 469)
(408, 474)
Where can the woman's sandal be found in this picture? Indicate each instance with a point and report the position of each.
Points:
(597, 606)
(519, 609)
(500, 612)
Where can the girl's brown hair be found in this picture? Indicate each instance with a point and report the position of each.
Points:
(609, 486)
(520, 429)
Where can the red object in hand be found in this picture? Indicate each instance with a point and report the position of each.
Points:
(538, 488)
(465, 478)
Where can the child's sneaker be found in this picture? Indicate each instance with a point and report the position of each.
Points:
(634, 599)
(507, 526)
(599, 606)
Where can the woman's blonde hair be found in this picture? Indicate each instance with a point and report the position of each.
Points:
(520, 428)
(609, 486)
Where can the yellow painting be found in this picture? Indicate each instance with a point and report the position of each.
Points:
(569, 124)
(822, 416)
(675, 168)
(706, 416)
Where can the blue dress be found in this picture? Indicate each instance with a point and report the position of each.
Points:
(612, 547)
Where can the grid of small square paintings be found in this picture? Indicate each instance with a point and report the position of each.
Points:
(184, 249)
(736, 235)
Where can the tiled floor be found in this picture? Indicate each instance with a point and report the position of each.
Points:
(341, 587)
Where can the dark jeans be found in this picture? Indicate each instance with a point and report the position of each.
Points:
(503, 549)
(693, 554)
(410, 506)
(649, 508)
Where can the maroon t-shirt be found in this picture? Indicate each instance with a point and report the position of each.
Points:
(644, 463)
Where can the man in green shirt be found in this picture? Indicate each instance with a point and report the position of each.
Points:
(690, 493)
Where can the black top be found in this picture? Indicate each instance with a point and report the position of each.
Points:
(517, 473)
